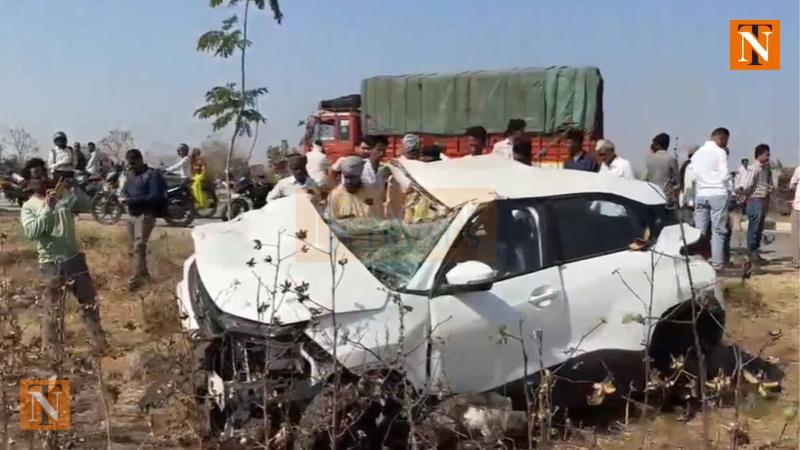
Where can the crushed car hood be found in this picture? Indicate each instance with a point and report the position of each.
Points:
(240, 262)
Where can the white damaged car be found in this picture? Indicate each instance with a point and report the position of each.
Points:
(585, 272)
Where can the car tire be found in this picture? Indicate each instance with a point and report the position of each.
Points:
(372, 399)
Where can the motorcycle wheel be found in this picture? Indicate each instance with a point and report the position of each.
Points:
(211, 205)
(180, 212)
(106, 208)
(238, 207)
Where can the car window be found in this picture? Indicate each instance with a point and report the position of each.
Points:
(593, 226)
(393, 250)
(505, 236)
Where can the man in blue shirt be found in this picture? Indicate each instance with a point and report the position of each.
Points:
(145, 194)
(578, 158)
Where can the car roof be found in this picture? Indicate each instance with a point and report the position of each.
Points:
(484, 178)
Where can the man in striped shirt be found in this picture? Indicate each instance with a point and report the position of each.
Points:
(756, 189)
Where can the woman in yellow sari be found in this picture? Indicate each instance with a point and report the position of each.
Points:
(198, 179)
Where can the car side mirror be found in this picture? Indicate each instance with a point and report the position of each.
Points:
(468, 276)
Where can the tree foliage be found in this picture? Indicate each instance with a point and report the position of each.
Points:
(116, 143)
(223, 42)
(233, 103)
(274, 6)
(22, 143)
(226, 104)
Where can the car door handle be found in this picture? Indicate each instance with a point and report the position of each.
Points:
(543, 298)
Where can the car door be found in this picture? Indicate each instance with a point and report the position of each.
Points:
(610, 286)
(478, 335)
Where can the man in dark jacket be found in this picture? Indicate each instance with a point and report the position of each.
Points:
(145, 194)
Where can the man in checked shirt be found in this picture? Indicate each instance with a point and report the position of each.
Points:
(756, 189)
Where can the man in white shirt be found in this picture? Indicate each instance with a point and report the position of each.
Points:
(95, 164)
(62, 159)
(182, 168)
(318, 164)
(741, 174)
(374, 173)
(712, 181)
(611, 163)
(299, 180)
(795, 183)
(514, 131)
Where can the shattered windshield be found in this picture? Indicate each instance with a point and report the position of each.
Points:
(392, 250)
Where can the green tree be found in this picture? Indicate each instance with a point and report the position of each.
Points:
(234, 104)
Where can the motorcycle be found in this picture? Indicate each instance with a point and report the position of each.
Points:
(208, 210)
(246, 195)
(106, 207)
(91, 185)
(180, 204)
(14, 189)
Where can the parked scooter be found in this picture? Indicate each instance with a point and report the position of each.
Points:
(247, 195)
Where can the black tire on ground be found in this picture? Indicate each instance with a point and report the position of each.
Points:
(180, 212)
(238, 207)
(368, 412)
(106, 208)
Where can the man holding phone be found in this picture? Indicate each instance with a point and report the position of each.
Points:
(48, 218)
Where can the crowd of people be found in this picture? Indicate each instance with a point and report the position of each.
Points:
(703, 190)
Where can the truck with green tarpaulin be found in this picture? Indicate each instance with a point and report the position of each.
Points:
(439, 107)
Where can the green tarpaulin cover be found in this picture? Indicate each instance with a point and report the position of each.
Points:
(551, 100)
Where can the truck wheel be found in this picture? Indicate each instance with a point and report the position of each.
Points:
(368, 413)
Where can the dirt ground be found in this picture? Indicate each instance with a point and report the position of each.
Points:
(146, 374)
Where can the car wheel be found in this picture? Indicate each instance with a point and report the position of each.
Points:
(368, 412)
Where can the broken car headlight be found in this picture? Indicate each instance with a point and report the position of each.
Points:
(214, 321)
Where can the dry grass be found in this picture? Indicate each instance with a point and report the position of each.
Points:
(143, 330)
(149, 349)
(765, 306)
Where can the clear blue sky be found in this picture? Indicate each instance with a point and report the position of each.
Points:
(87, 66)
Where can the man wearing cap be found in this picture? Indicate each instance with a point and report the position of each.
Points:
(352, 198)
(610, 163)
(411, 147)
(514, 131)
(662, 168)
(48, 218)
(299, 180)
(62, 159)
